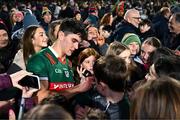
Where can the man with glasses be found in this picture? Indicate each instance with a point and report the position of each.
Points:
(130, 24)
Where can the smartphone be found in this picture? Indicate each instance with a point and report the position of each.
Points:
(31, 81)
(87, 73)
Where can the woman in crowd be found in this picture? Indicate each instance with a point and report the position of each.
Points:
(34, 39)
(106, 19)
(157, 99)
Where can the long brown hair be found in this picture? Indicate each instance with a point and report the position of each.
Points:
(28, 48)
(157, 99)
(105, 20)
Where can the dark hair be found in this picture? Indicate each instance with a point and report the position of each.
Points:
(105, 20)
(167, 65)
(177, 17)
(146, 22)
(72, 26)
(107, 28)
(76, 12)
(160, 52)
(112, 71)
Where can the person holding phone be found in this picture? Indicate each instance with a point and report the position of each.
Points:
(7, 81)
(12, 80)
(86, 60)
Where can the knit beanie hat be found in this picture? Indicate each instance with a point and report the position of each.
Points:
(29, 19)
(19, 13)
(120, 7)
(129, 38)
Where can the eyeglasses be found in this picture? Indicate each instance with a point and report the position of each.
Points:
(137, 18)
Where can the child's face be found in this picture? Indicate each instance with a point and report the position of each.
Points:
(88, 63)
(134, 48)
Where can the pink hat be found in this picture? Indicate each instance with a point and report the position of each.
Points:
(19, 14)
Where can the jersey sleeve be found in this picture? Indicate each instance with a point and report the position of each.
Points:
(37, 65)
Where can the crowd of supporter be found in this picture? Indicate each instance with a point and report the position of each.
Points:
(94, 59)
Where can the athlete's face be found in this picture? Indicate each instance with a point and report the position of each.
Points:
(70, 43)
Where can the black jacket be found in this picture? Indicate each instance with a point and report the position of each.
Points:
(7, 54)
(123, 28)
(160, 25)
(114, 111)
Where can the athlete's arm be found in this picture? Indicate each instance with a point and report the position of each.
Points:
(82, 87)
(43, 92)
(68, 93)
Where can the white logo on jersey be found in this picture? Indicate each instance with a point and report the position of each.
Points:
(58, 70)
(66, 73)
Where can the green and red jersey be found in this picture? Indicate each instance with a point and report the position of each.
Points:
(47, 66)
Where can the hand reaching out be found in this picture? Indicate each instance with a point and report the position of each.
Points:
(16, 77)
(28, 92)
(100, 40)
(86, 84)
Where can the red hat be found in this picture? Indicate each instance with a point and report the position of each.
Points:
(92, 10)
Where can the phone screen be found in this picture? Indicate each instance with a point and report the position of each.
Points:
(87, 73)
(30, 81)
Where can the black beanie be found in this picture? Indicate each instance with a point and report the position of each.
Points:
(3, 26)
